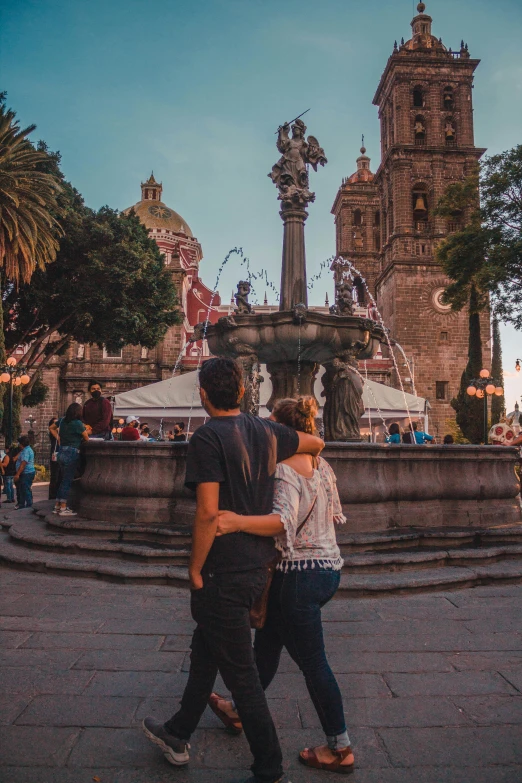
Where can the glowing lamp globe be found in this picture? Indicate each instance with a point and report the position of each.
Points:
(490, 388)
(11, 361)
(113, 430)
(25, 379)
(118, 429)
(471, 390)
(5, 377)
(17, 381)
(484, 373)
(480, 393)
(499, 391)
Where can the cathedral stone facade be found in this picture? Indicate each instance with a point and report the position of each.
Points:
(385, 222)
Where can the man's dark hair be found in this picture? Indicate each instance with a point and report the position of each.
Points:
(448, 440)
(24, 441)
(222, 380)
(180, 424)
(415, 426)
(394, 429)
(95, 383)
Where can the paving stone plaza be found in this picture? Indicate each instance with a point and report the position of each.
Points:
(432, 684)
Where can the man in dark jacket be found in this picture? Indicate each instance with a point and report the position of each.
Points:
(97, 413)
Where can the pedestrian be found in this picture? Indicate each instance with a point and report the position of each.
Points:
(9, 468)
(179, 432)
(448, 440)
(97, 413)
(231, 463)
(131, 431)
(305, 511)
(394, 433)
(25, 473)
(54, 467)
(417, 437)
(72, 432)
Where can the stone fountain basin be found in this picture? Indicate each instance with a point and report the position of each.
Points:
(279, 336)
(381, 487)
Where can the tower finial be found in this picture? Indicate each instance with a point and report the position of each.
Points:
(421, 7)
(363, 148)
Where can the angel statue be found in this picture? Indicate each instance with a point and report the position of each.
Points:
(290, 173)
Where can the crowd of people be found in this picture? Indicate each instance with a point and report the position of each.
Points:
(413, 435)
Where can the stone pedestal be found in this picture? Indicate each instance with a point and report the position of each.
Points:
(293, 271)
(291, 379)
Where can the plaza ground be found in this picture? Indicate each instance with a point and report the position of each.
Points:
(432, 685)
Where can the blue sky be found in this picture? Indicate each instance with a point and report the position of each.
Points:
(195, 91)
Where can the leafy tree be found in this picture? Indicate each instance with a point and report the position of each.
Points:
(108, 286)
(470, 410)
(487, 252)
(29, 228)
(498, 404)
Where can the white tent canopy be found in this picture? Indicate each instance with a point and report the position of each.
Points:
(178, 398)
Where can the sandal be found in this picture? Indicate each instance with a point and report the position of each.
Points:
(232, 725)
(311, 760)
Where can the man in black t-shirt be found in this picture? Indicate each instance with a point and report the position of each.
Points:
(231, 464)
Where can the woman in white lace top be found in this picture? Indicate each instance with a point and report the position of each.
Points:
(306, 508)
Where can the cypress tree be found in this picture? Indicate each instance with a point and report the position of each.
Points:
(498, 404)
(470, 410)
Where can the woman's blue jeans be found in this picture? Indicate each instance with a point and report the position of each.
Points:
(69, 460)
(294, 621)
(9, 488)
(26, 493)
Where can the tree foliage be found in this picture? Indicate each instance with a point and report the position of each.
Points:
(108, 285)
(470, 410)
(487, 252)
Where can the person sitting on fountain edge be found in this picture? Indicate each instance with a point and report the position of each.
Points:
(231, 464)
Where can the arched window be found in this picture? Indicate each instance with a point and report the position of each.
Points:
(390, 218)
(418, 97)
(419, 201)
(419, 130)
(357, 217)
(448, 100)
(384, 225)
(377, 219)
(450, 131)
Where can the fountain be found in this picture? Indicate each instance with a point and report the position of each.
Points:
(295, 341)
(381, 487)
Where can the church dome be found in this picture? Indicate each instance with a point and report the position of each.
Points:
(363, 173)
(153, 213)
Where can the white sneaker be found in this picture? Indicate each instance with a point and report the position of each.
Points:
(67, 512)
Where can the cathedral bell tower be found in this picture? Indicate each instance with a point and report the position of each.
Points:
(426, 117)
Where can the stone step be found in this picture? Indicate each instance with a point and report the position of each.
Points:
(353, 585)
(110, 569)
(359, 585)
(408, 538)
(389, 562)
(34, 533)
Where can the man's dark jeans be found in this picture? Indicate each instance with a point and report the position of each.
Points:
(294, 621)
(222, 642)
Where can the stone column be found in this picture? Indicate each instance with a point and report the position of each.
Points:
(291, 379)
(293, 272)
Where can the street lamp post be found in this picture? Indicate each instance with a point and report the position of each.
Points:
(483, 387)
(14, 376)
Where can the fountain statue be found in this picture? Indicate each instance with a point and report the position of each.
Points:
(295, 341)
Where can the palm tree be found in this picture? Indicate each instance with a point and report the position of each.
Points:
(28, 230)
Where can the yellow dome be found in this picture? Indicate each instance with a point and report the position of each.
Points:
(156, 214)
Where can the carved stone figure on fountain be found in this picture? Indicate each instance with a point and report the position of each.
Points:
(343, 298)
(290, 173)
(243, 307)
(343, 408)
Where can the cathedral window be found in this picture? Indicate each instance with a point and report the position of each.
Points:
(441, 390)
(357, 217)
(390, 218)
(377, 219)
(419, 130)
(111, 353)
(418, 97)
(448, 100)
(359, 291)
